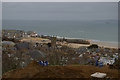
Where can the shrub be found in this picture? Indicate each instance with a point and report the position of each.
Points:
(93, 46)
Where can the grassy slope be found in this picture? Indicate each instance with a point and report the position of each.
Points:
(34, 70)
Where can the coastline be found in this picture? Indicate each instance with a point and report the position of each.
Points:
(73, 42)
(107, 44)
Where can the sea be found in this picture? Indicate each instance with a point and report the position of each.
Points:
(101, 30)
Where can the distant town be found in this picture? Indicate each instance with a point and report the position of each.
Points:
(20, 48)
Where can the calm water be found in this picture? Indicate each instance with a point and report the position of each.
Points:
(96, 30)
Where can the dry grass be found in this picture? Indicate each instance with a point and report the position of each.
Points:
(34, 70)
(39, 40)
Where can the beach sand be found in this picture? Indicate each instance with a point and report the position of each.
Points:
(105, 44)
(74, 45)
(99, 43)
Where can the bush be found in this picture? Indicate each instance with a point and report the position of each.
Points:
(115, 65)
(10, 39)
(93, 46)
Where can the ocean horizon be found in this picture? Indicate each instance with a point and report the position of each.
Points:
(97, 30)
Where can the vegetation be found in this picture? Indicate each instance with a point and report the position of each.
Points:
(79, 41)
(34, 70)
(10, 39)
(93, 46)
(116, 65)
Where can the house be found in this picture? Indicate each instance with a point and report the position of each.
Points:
(106, 60)
(32, 34)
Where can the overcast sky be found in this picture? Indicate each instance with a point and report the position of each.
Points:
(60, 0)
(60, 11)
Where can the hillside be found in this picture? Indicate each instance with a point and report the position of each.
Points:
(35, 70)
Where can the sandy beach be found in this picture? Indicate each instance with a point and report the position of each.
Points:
(100, 43)
(105, 44)
(73, 45)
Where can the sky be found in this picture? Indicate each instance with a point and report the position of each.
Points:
(60, 10)
(60, 0)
